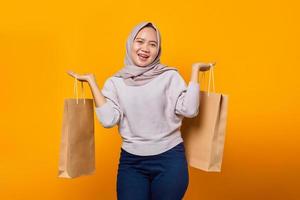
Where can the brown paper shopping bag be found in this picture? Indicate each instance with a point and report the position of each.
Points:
(77, 149)
(204, 135)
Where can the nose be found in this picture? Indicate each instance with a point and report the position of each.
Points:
(145, 48)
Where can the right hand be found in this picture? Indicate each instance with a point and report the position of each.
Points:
(84, 77)
(200, 66)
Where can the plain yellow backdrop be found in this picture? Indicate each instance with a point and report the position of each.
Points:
(256, 47)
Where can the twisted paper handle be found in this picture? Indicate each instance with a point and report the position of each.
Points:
(76, 90)
(211, 74)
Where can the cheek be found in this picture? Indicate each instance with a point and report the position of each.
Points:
(133, 51)
(134, 48)
(154, 53)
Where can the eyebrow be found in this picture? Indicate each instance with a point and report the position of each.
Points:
(144, 39)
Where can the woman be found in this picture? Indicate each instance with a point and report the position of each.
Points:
(148, 101)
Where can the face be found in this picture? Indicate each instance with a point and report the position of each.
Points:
(145, 47)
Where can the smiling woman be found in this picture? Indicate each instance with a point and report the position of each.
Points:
(145, 46)
(148, 101)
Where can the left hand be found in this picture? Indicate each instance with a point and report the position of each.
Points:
(203, 66)
(84, 77)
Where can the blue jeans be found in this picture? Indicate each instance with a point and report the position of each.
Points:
(163, 176)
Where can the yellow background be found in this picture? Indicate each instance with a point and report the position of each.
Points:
(256, 47)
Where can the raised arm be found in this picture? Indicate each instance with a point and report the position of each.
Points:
(90, 78)
(196, 67)
(107, 109)
(187, 97)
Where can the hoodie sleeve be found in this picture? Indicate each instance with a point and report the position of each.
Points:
(185, 98)
(110, 113)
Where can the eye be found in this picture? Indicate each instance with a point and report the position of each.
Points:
(139, 41)
(154, 45)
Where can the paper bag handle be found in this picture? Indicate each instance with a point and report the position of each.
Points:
(211, 74)
(76, 91)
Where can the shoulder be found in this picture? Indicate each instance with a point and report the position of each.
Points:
(173, 74)
(175, 80)
(112, 81)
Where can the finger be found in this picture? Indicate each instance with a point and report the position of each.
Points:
(212, 64)
(71, 73)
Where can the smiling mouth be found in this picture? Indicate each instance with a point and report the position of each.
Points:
(143, 57)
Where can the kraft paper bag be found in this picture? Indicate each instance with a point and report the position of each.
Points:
(204, 135)
(77, 149)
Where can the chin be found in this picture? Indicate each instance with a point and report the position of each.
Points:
(142, 64)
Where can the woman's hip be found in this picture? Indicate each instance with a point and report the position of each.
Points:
(174, 157)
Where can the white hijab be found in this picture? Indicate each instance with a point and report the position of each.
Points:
(134, 75)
